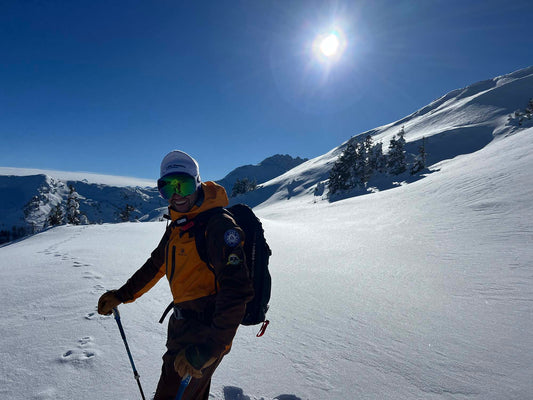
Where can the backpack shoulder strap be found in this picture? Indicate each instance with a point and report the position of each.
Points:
(200, 225)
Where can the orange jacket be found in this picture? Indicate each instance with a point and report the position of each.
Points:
(219, 292)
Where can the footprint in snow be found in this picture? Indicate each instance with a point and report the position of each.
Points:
(91, 275)
(92, 315)
(77, 264)
(98, 290)
(81, 354)
(84, 341)
(77, 356)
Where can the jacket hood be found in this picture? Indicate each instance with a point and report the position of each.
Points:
(213, 196)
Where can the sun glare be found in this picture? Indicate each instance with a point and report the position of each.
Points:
(329, 47)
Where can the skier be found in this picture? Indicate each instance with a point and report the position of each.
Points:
(209, 301)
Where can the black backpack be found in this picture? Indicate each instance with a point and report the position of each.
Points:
(257, 253)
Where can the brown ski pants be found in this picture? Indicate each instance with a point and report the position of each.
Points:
(169, 381)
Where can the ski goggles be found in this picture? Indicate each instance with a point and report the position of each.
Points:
(181, 184)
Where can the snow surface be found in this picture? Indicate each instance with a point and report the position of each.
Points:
(424, 291)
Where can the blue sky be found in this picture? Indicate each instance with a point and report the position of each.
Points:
(111, 86)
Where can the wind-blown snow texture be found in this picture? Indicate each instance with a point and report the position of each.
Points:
(424, 291)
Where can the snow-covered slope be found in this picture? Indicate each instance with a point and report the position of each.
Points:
(420, 292)
(461, 122)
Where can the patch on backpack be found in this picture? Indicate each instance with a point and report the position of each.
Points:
(232, 238)
(233, 259)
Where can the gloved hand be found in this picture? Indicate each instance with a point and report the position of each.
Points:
(107, 302)
(192, 360)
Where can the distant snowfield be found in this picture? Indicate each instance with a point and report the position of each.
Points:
(424, 291)
(89, 177)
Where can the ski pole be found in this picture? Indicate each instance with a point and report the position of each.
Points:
(135, 373)
(183, 385)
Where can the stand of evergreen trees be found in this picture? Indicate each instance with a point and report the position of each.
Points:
(71, 214)
(521, 116)
(362, 160)
(15, 233)
(125, 214)
(243, 186)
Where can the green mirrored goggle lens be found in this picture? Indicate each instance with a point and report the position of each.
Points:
(182, 184)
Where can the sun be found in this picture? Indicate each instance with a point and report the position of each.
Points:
(330, 45)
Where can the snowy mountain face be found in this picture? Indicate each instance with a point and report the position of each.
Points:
(28, 197)
(27, 201)
(264, 171)
(461, 122)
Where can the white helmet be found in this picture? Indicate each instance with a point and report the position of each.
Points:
(177, 162)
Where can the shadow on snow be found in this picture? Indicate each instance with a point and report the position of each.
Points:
(235, 393)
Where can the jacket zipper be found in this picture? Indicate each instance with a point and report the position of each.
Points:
(166, 260)
(173, 264)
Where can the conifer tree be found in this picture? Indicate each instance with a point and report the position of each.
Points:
(378, 161)
(396, 161)
(56, 216)
(529, 109)
(359, 167)
(340, 174)
(5, 236)
(367, 167)
(243, 186)
(420, 159)
(125, 214)
(73, 207)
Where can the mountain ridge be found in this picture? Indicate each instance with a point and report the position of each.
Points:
(460, 122)
(30, 195)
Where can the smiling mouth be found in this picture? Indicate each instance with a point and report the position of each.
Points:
(180, 204)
